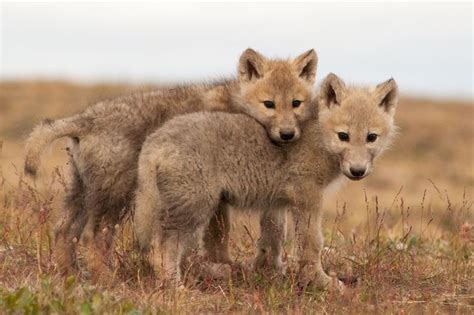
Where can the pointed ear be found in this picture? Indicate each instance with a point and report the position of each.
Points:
(386, 94)
(332, 91)
(251, 65)
(306, 65)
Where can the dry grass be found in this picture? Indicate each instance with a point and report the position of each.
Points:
(406, 232)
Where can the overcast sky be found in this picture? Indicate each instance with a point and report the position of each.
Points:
(426, 47)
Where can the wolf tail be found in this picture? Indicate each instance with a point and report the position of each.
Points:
(147, 200)
(46, 132)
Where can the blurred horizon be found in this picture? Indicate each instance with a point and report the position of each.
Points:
(426, 47)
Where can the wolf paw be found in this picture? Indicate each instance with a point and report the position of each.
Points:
(320, 281)
(263, 265)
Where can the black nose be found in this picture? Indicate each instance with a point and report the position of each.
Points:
(287, 135)
(357, 172)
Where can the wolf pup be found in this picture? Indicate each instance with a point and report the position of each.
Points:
(106, 138)
(185, 177)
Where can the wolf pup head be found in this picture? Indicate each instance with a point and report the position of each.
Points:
(278, 93)
(357, 123)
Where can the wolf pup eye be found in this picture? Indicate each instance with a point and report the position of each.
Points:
(296, 103)
(371, 137)
(269, 104)
(343, 136)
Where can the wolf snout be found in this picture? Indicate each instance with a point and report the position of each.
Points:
(287, 135)
(358, 172)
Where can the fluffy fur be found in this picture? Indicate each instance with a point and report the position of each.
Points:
(185, 178)
(107, 137)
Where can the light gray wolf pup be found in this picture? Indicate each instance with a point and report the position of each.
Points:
(106, 138)
(184, 178)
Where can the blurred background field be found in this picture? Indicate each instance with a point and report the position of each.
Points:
(433, 151)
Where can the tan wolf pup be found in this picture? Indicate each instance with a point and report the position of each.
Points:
(106, 138)
(184, 178)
